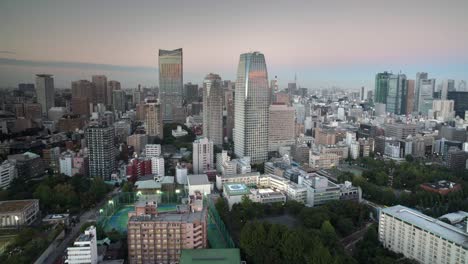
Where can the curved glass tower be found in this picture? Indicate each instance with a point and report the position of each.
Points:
(251, 108)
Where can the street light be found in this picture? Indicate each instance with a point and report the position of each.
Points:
(17, 219)
(177, 191)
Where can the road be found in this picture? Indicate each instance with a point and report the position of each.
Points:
(350, 241)
(73, 233)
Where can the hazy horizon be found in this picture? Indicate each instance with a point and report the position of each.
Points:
(332, 43)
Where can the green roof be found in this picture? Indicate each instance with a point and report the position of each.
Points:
(210, 256)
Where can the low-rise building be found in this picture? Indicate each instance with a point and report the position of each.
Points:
(319, 190)
(84, 249)
(233, 192)
(421, 237)
(266, 196)
(198, 183)
(179, 132)
(249, 179)
(323, 160)
(16, 213)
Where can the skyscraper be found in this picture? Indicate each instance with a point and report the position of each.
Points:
(426, 95)
(119, 100)
(202, 155)
(460, 103)
(281, 126)
(409, 96)
(213, 109)
(381, 87)
(153, 119)
(447, 86)
(191, 92)
(100, 141)
(100, 89)
(45, 92)
(417, 86)
(363, 93)
(251, 108)
(170, 81)
(396, 96)
(111, 87)
(82, 96)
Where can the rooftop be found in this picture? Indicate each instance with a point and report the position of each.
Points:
(197, 179)
(441, 185)
(428, 223)
(189, 217)
(210, 256)
(16, 205)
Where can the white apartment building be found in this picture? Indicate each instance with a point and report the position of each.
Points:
(422, 238)
(152, 150)
(354, 150)
(7, 174)
(84, 249)
(202, 155)
(181, 174)
(157, 166)
(66, 163)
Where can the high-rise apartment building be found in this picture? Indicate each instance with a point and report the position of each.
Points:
(282, 127)
(100, 88)
(396, 97)
(160, 237)
(154, 119)
(100, 141)
(213, 109)
(421, 237)
(251, 108)
(203, 155)
(157, 166)
(417, 88)
(443, 110)
(45, 92)
(152, 150)
(381, 87)
(426, 95)
(111, 87)
(170, 81)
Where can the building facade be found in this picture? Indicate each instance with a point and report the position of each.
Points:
(251, 108)
(170, 81)
(213, 109)
(100, 141)
(45, 92)
(202, 155)
(281, 127)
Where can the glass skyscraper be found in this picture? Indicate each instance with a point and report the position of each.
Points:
(171, 86)
(396, 97)
(251, 108)
(381, 87)
(426, 95)
(417, 86)
(213, 94)
(45, 91)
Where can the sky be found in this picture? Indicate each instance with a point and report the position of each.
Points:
(328, 43)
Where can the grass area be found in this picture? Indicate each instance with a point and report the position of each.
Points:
(5, 240)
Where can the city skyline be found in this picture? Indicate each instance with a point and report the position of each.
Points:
(314, 40)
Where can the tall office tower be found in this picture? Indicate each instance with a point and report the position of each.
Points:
(447, 86)
(461, 103)
(100, 141)
(111, 87)
(170, 81)
(251, 106)
(202, 155)
(426, 95)
(138, 96)
(409, 96)
(282, 127)
(363, 93)
(45, 92)
(82, 97)
(381, 87)
(100, 89)
(462, 87)
(400, 131)
(417, 89)
(191, 92)
(396, 97)
(119, 100)
(154, 119)
(213, 109)
(26, 88)
(228, 110)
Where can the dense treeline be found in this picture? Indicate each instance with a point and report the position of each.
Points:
(59, 193)
(315, 239)
(388, 183)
